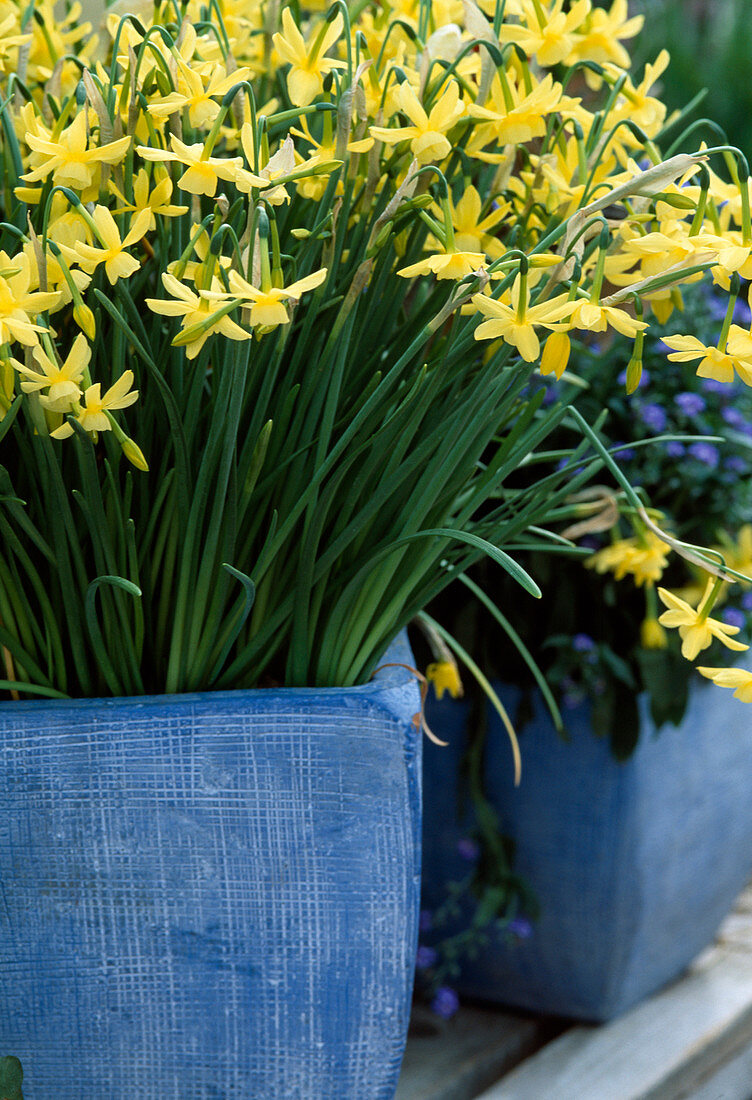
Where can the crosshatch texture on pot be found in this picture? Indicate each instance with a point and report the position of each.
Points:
(210, 896)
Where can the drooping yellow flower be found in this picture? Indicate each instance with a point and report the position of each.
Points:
(597, 317)
(643, 557)
(61, 381)
(428, 134)
(93, 416)
(203, 313)
(307, 60)
(450, 264)
(70, 158)
(445, 676)
(269, 307)
(696, 628)
(738, 678)
(714, 362)
(515, 323)
(118, 262)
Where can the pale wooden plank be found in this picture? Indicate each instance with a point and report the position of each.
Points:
(456, 1059)
(733, 1082)
(653, 1052)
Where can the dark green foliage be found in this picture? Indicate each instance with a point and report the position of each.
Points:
(710, 43)
(11, 1077)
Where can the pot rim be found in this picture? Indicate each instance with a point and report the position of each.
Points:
(398, 676)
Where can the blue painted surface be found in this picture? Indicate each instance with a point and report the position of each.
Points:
(211, 896)
(635, 865)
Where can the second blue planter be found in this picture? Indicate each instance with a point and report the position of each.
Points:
(634, 864)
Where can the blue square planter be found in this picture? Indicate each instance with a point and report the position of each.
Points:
(211, 896)
(635, 864)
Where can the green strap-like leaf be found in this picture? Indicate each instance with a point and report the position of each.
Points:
(513, 568)
(95, 631)
(522, 649)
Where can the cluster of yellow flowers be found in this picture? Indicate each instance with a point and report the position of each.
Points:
(644, 557)
(126, 153)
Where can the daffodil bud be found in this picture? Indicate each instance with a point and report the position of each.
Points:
(445, 43)
(556, 354)
(652, 634)
(383, 235)
(7, 383)
(84, 318)
(134, 454)
(634, 373)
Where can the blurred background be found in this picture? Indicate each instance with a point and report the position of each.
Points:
(710, 42)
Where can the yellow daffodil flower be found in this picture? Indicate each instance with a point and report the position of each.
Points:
(9, 42)
(514, 115)
(93, 416)
(599, 38)
(195, 96)
(61, 381)
(445, 676)
(636, 103)
(156, 200)
(18, 303)
(471, 229)
(696, 628)
(70, 158)
(714, 362)
(428, 139)
(307, 60)
(202, 172)
(546, 34)
(738, 678)
(597, 317)
(269, 307)
(515, 323)
(118, 263)
(201, 311)
(451, 264)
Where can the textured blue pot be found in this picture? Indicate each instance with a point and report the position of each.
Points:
(211, 896)
(634, 865)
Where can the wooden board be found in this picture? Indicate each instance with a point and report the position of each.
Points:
(458, 1058)
(661, 1050)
